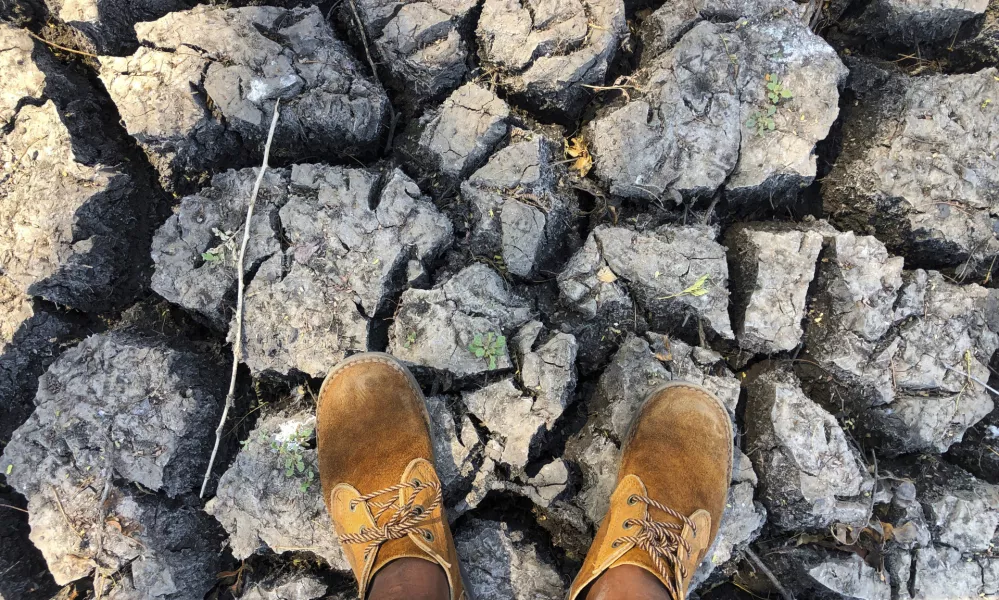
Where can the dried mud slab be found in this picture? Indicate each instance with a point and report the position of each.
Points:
(810, 477)
(71, 213)
(520, 416)
(915, 22)
(455, 138)
(918, 167)
(308, 307)
(546, 53)
(199, 92)
(288, 587)
(815, 572)
(961, 511)
(664, 27)
(24, 79)
(419, 44)
(522, 215)
(503, 563)
(442, 328)
(898, 345)
(107, 27)
(329, 249)
(271, 498)
(940, 530)
(116, 409)
(701, 116)
(195, 251)
(457, 448)
(677, 274)
(31, 337)
(771, 267)
(980, 49)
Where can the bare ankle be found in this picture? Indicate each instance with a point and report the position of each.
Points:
(410, 579)
(627, 582)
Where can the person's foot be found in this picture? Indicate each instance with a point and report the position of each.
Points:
(672, 485)
(376, 465)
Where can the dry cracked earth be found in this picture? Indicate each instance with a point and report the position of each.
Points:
(546, 208)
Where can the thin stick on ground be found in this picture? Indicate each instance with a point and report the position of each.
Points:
(64, 515)
(786, 595)
(973, 378)
(237, 344)
(63, 48)
(393, 117)
(364, 38)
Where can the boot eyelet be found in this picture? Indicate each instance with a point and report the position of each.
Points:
(627, 524)
(428, 536)
(418, 510)
(632, 500)
(417, 483)
(615, 543)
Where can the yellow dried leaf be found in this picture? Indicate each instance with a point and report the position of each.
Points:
(606, 275)
(576, 148)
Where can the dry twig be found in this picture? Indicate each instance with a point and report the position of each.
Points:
(973, 378)
(237, 344)
(393, 116)
(64, 515)
(786, 595)
(63, 48)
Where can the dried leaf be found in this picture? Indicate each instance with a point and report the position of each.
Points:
(606, 275)
(576, 148)
(887, 531)
(845, 535)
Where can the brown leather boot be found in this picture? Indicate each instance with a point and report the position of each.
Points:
(672, 485)
(376, 464)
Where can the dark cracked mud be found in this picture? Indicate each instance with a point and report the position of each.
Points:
(546, 209)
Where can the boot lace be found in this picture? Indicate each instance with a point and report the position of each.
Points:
(404, 518)
(662, 541)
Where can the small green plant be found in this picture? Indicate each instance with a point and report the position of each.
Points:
(488, 346)
(291, 451)
(763, 120)
(227, 245)
(410, 339)
(776, 91)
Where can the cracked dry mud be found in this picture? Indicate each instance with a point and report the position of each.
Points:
(546, 209)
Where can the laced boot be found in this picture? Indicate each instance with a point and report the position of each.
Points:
(672, 485)
(376, 465)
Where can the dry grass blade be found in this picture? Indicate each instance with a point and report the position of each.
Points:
(237, 344)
